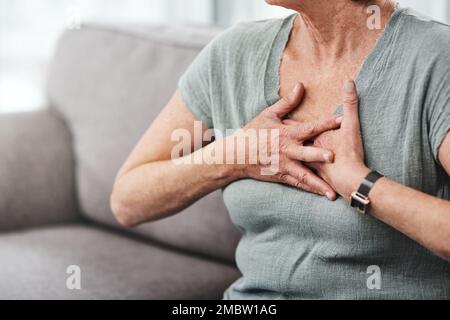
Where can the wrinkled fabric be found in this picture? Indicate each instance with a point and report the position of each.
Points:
(298, 245)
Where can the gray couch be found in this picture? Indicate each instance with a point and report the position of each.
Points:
(57, 168)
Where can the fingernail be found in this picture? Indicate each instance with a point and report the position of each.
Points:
(327, 157)
(340, 119)
(349, 86)
(296, 87)
(329, 196)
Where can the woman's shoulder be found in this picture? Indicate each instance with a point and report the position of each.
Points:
(424, 43)
(426, 33)
(246, 37)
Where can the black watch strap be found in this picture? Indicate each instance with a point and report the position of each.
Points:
(360, 199)
(369, 182)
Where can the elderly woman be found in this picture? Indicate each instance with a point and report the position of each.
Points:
(389, 156)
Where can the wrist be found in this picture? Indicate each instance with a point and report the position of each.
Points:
(227, 168)
(231, 172)
(354, 177)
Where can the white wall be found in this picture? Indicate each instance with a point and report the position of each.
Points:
(29, 30)
(198, 11)
(234, 11)
(438, 9)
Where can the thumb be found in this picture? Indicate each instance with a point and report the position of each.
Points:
(288, 104)
(351, 105)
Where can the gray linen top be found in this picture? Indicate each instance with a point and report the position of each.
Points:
(297, 245)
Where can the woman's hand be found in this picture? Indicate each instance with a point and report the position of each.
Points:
(292, 152)
(396, 205)
(348, 169)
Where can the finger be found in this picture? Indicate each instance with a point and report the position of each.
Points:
(312, 129)
(287, 104)
(308, 181)
(309, 154)
(290, 122)
(290, 180)
(351, 113)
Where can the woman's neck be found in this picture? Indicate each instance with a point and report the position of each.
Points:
(331, 33)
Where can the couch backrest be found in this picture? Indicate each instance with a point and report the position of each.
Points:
(109, 84)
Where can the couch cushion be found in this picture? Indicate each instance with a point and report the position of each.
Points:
(37, 183)
(109, 85)
(34, 265)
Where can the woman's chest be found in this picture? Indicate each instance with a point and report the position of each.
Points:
(395, 143)
(323, 87)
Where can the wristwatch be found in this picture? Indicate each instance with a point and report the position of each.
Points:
(360, 198)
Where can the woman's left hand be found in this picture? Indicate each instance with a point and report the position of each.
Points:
(348, 170)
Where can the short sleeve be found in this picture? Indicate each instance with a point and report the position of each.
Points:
(439, 120)
(195, 87)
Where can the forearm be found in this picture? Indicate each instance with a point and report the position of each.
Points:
(424, 218)
(159, 189)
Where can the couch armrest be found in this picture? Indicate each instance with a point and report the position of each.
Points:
(37, 184)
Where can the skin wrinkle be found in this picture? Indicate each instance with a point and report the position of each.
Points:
(331, 38)
(336, 30)
(325, 48)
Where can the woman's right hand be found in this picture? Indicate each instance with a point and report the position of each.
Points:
(291, 146)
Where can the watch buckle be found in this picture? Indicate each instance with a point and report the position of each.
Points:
(363, 202)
